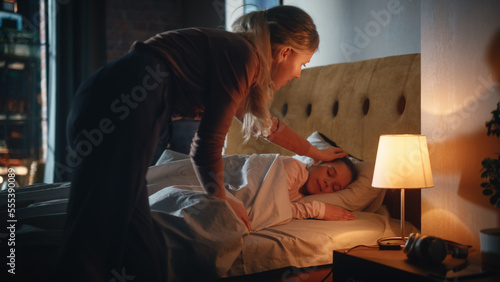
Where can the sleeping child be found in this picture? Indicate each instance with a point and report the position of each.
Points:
(171, 187)
(325, 177)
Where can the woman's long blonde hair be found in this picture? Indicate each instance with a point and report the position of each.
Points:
(269, 31)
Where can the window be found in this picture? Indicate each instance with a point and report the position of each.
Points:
(22, 97)
(237, 8)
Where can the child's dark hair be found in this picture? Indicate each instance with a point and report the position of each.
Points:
(351, 166)
(348, 162)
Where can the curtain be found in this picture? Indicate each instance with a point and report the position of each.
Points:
(76, 48)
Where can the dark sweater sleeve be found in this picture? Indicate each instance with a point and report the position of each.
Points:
(285, 137)
(231, 77)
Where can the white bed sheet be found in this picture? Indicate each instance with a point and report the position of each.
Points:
(310, 243)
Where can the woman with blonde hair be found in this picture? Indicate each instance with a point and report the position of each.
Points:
(123, 112)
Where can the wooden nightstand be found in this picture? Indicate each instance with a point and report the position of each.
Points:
(372, 264)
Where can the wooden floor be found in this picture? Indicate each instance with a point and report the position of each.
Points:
(311, 274)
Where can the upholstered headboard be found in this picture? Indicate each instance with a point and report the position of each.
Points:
(350, 103)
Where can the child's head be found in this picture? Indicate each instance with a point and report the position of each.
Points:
(328, 177)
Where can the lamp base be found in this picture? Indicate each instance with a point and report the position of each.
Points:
(391, 243)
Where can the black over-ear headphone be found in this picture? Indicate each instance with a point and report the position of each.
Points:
(432, 249)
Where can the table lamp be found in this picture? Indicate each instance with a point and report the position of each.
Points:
(402, 162)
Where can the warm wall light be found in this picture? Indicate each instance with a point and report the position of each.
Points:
(402, 162)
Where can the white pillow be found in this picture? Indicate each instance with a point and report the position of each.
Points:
(317, 141)
(170, 156)
(359, 195)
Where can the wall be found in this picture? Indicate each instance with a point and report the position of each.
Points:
(458, 96)
(354, 30)
(128, 20)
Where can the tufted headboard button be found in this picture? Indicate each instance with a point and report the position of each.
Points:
(335, 109)
(308, 110)
(366, 106)
(284, 110)
(377, 96)
(401, 104)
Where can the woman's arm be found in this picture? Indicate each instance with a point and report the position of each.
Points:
(206, 150)
(285, 137)
(234, 69)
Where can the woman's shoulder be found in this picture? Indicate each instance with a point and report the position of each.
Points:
(218, 38)
(211, 34)
(224, 42)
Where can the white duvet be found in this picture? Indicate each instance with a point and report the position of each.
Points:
(203, 232)
(206, 240)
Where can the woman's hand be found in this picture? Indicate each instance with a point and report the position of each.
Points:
(337, 213)
(240, 212)
(328, 154)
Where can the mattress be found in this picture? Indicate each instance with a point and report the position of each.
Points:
(309, 243)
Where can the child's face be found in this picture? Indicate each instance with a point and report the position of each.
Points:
(328, 177)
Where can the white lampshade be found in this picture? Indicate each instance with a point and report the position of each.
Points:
(402, 162)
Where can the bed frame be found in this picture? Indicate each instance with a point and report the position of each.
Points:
(352, 104)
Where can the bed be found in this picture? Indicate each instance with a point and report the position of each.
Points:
(348, 105)
(351, 105)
